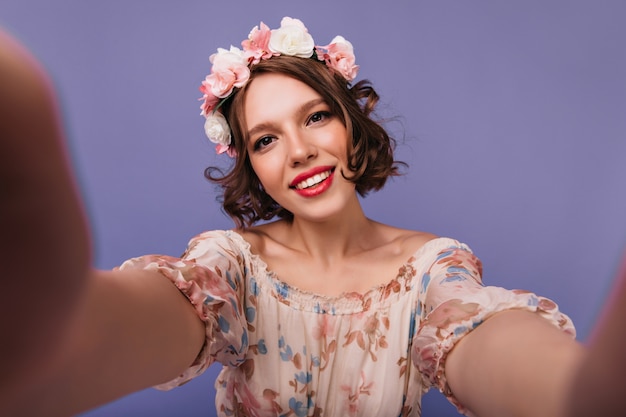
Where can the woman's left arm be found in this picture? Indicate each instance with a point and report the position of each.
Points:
(598, 388)
(515, 363)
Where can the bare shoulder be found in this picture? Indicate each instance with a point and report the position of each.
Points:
(262, 237)
(406, 241)
(392, 245)
(416, 239)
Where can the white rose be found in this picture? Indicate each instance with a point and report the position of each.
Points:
(292, 38)
(217, 129)
(227, 58)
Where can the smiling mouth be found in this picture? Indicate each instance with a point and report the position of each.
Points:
(313, 181)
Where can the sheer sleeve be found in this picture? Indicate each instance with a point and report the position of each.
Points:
(454, 301)
(211, 275)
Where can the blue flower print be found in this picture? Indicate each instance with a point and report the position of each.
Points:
(250, 314)
(262, 347)
(298, 407)
(223, 323)
(282, 289)
(254, 288)
(287, 354)
(412, 323)
(303, 377)
(315, 361)
(230, 280)
(456, 277)
(446, 253)
(425, 281)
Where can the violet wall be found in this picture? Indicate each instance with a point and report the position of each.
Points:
(512, 115)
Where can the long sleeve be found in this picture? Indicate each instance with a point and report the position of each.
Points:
(455, 301)
(211, 275)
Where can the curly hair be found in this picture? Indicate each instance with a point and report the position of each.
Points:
(370, 153)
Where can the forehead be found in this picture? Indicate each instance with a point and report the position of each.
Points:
(273, 95)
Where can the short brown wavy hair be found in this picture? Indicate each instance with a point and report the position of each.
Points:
(370, 154)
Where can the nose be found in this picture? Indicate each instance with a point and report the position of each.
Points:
(301, 148)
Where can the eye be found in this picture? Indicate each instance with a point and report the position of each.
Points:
(318, 116)
(263, 142)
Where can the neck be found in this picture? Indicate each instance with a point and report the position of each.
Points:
(334, 238)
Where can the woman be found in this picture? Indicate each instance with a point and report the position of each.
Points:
(322, 312)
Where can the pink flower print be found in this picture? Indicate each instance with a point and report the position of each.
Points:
(353, 396)
(325, 331)
(245, 402)
(370, 337)
(546, 304)
(256, 47)
(271, 396)
(325, 327)
(371, 324)
(451, 311)
(462, 259)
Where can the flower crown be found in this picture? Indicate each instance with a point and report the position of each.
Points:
(231, 69)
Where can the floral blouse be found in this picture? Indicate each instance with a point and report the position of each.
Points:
(287, 352)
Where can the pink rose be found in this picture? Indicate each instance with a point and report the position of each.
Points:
(230, 69)
(209, 101)
(256, 47)
(229, 150)
(339, 55)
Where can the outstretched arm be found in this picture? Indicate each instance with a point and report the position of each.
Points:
(133, 329)
(516, 363)
(44, 245)
(599, 383)
(72, 338)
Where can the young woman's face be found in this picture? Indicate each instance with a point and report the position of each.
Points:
(297, 148)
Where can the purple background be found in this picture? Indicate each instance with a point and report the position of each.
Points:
(512, 116)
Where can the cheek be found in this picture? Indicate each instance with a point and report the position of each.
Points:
(339, 142)
(266, 171)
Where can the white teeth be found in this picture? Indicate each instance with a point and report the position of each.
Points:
(314, 180)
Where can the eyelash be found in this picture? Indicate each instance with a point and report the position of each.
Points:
(259, 144)
(324, 114)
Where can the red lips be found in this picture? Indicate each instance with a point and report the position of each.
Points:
(311, 190)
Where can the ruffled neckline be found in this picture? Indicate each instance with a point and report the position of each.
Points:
(348, 302)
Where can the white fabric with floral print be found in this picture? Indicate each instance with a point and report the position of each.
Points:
(286, 352)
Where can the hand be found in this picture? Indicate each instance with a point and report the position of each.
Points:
(44, 245)
(598, 387)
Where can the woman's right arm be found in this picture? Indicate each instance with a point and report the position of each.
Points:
(72, 338)
(133, 329)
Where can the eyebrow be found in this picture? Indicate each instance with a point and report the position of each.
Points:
(305, 107)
